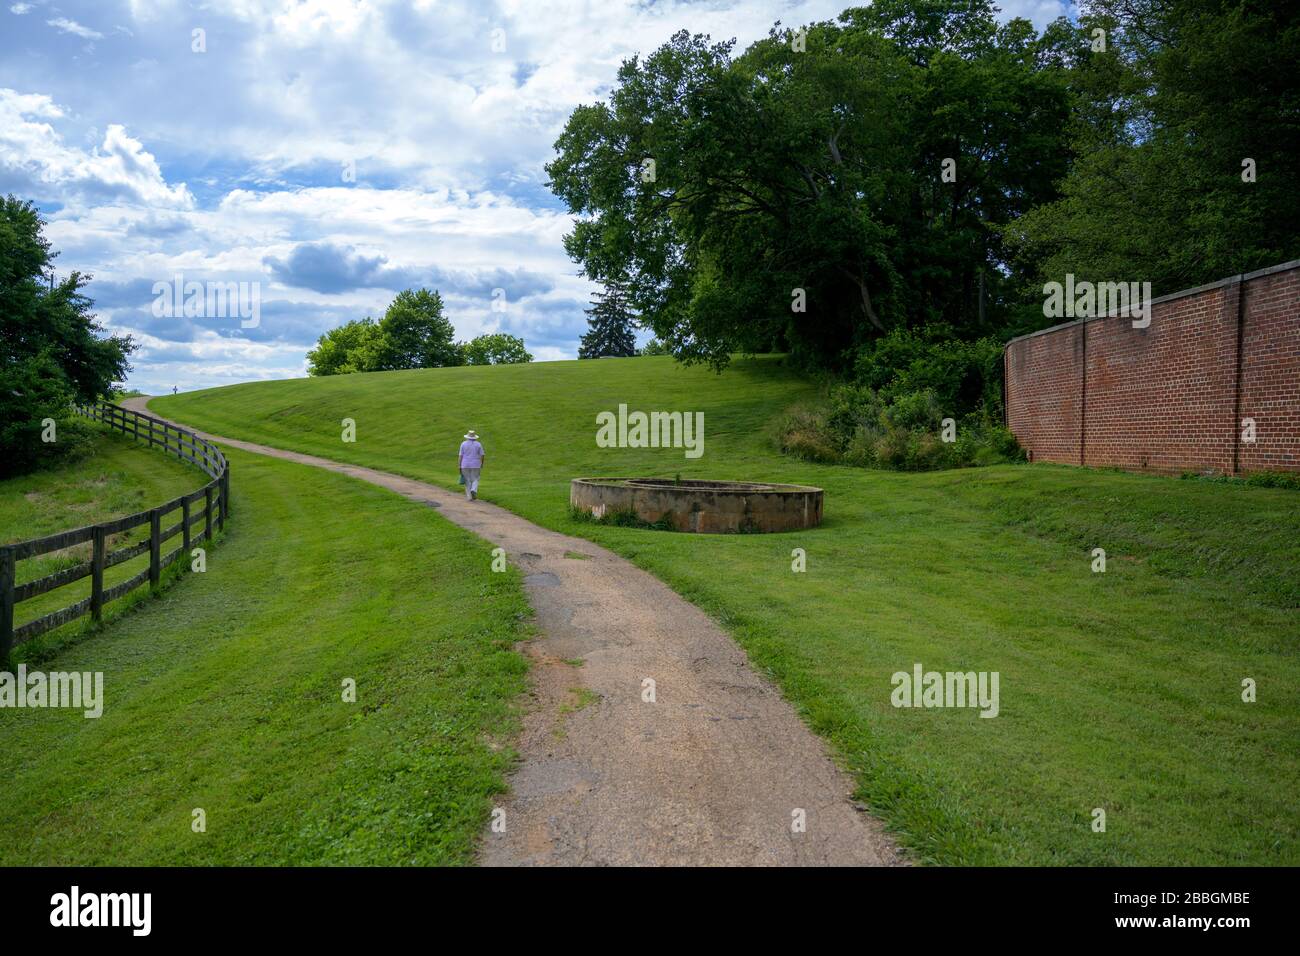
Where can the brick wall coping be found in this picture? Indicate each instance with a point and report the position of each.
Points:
(1244, 277)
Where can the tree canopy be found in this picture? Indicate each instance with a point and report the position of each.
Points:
(792, 197)
(413, 333)
(917, 165)
(1186, 133)
(495, 348)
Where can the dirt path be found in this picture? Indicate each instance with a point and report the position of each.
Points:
(712, 772)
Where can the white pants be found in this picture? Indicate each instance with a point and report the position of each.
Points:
(471, 481)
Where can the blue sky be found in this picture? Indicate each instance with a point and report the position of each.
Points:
(333, 151)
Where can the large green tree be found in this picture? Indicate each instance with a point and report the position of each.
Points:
(794, 196)
(53, 351)
(413, 333)
(351, 347)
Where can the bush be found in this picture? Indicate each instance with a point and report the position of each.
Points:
(963, 376)
(853, 426)
(804, 433)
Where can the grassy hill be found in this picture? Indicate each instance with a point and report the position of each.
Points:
(1119, 691)
(224, 693)
(118, 476)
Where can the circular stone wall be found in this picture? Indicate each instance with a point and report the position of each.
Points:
(709, 507)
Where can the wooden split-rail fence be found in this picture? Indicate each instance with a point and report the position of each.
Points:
(208, 508)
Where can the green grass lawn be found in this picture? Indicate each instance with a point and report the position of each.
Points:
(225, 693)
(1119, 691)
(118, 477)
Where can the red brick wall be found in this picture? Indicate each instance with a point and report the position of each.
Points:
(1044, 393)
(1270, 372)
(1169, 397)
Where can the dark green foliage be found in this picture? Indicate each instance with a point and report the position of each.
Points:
(52, 350)
(792, 197)
(962, 375)
(796, 201)
(1163, 120)
(611, 323)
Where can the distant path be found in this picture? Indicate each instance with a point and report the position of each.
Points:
(709, 774)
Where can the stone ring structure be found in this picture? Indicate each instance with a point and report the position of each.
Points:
(706, 507)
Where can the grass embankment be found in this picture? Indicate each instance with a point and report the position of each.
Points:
(1119, 690)
(225, 693)
(119, 476)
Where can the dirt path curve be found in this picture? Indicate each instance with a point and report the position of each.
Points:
(711, 773)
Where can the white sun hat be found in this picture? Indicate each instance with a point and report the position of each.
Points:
(472, 435)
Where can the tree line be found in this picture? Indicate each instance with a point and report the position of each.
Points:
(414, 333)
(883, 196)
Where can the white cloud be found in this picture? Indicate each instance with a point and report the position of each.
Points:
(34, 158)
(226, 165)
(64, 25)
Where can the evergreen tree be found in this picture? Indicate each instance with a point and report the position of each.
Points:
(53, 351)
(611, 322)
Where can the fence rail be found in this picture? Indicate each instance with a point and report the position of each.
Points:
(208, 506)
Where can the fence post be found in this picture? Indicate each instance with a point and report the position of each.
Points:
(97, 560)
(185, 530)
(155, 547)
(225, 496)
(207, 513)
(7, 563)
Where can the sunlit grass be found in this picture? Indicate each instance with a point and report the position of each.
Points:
(1119, 691)
(225, 693)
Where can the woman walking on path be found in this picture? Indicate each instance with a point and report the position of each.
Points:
(471, 462)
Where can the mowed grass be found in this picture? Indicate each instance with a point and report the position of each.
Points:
(118, 477)
(225, 693)
(1119, 691)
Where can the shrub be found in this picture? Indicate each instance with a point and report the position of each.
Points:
(963, 376)
(803, 432)
(854, 426)
(915, 411)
